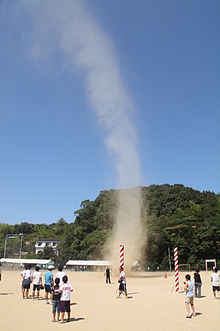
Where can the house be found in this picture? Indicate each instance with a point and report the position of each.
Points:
(46, 242)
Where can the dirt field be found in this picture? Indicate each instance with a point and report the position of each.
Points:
(152, 305)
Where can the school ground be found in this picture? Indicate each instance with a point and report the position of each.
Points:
(153, 305)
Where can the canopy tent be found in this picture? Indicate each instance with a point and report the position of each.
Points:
(25, 261)
(88, 263)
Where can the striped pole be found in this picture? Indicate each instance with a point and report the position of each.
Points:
(122, 256)
(176, 270)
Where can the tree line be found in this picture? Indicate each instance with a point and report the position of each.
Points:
(173, 215)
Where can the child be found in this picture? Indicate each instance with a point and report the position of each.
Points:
(65, 290)
(37, 281)
(55, 297)
(215, 276)
(198, 284)
(122, 283)
(48, 283)
(26, 282)
(189, 288)
(60, 274)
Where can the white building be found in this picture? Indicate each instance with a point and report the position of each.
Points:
(46, 242)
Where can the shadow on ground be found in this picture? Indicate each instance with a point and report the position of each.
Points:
(72, 319)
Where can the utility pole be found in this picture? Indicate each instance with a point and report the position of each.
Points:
(169, 258)
(12, 236)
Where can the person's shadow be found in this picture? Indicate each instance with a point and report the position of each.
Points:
(5, 293)
(73, 304)
(73, 319)
(202, 296)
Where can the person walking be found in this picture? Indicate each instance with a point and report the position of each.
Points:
(189, 300)
(48, 283)
(122, 283)
(215, 281)
(198, 284)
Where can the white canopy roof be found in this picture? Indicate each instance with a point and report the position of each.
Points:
(88, 263)
(25, 261)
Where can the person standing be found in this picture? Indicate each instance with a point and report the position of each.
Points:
(60, 274)
(189, 300)
(65, 290)
(198, 284)
(122, 283)
(48, 283)
(107, 275)
(215, 281)
(0, 272)
(55, 296)
(37, 281)
(26, 281)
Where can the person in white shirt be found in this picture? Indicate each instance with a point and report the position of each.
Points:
(60, 274)
(65, 290)
(122, 283)
(215, 281)
(26, 282)
(37, 281)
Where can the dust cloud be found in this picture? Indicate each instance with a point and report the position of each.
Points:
(69, 31)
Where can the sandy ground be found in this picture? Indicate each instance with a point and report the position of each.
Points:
(152, 305)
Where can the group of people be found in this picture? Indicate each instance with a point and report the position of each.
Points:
(189, 289)
(58, 289)
(122, 281)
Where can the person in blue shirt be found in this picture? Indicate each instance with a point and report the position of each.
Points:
(48, 283)
(189, 300)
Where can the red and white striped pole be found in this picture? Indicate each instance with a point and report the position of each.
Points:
(176, 270)
(122, 256)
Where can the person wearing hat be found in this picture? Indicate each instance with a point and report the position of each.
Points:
(48, 282)
(122, 283)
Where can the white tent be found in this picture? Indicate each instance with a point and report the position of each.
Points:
(24, 261)
(88, 263)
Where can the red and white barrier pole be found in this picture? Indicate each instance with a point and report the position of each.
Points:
(176, 270)
(122, 256)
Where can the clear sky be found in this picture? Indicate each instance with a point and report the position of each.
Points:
(53, 152)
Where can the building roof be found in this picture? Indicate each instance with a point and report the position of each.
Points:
(48, 239)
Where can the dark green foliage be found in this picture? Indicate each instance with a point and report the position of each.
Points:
(183, 217)
(174, 215)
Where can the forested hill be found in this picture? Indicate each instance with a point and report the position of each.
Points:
(174, 215)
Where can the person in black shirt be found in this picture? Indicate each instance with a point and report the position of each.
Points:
(198, 284)
(107, 275)
(56, 300)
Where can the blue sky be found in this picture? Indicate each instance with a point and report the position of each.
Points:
(53, 152)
